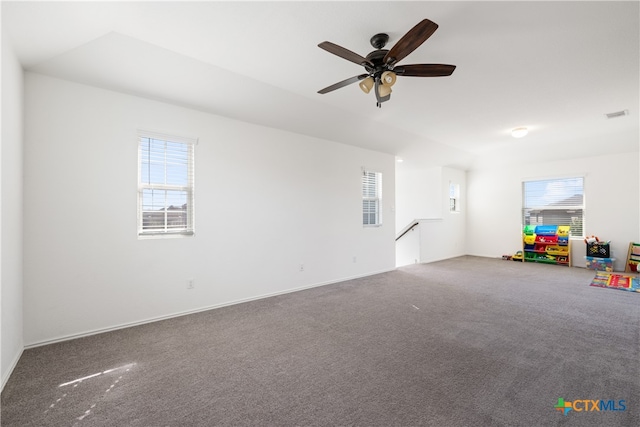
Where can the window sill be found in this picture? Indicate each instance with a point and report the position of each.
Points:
(164, 236)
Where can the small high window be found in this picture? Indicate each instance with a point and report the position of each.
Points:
(371, 198)
(454, 197)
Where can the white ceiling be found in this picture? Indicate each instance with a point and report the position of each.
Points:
(554, 67)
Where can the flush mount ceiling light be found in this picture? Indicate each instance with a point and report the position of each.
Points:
(519, 132)
(381, 64)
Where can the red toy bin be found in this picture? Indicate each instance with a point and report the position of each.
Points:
(546, 239)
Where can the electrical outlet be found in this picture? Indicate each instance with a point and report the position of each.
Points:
(355, 259)
(191, 283)
(301, 267)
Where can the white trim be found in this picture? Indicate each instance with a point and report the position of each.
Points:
(13, 365)
(197, 310)
(429, 261)
(552, 177)
(165, 136)
(162, 236)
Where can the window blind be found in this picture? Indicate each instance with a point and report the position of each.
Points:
(371, 197)
(165, 188)
(554, 202)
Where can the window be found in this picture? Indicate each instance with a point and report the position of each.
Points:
(454, 197)
(371, 198)
(554, 202)
(165, 185)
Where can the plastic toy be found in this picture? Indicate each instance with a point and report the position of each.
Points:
(590, 240)
(518, 256)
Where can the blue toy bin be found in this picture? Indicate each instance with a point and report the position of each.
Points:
(546, 230)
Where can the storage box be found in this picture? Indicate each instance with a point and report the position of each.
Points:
(543, 238)
(546, 230)
(598, 250)
(557, 250)
(601, 264)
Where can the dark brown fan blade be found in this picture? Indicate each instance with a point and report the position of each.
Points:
(424, 70)
(343, 83)
(344, 53)
(410, 41)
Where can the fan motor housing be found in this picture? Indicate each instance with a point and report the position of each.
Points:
(377, 59)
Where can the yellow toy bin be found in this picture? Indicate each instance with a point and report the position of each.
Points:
(558, 250)
(563, 230)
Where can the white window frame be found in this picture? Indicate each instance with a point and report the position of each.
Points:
(371, 180)
(454, 197)
(559, 202)
(188, 188)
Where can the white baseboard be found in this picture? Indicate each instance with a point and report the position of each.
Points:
(197, 310)
(13, 365)
(436, 259)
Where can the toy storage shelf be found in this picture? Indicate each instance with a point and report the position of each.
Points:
(546, 244)
(633, 258)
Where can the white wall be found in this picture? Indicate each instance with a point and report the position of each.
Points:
(446, 238)
(424, 195)
(267, 201)
(611, 199)
(11, 341)
(418, 194)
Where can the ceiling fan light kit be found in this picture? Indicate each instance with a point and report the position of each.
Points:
(384, 90)
(380, 65)
(366, 84)
(388, 78)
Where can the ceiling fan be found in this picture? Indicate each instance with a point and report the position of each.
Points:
(381, 63)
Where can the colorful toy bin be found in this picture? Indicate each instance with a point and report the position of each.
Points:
(600, 264)
(598, 250)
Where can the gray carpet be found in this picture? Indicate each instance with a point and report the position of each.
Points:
(463, 342)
